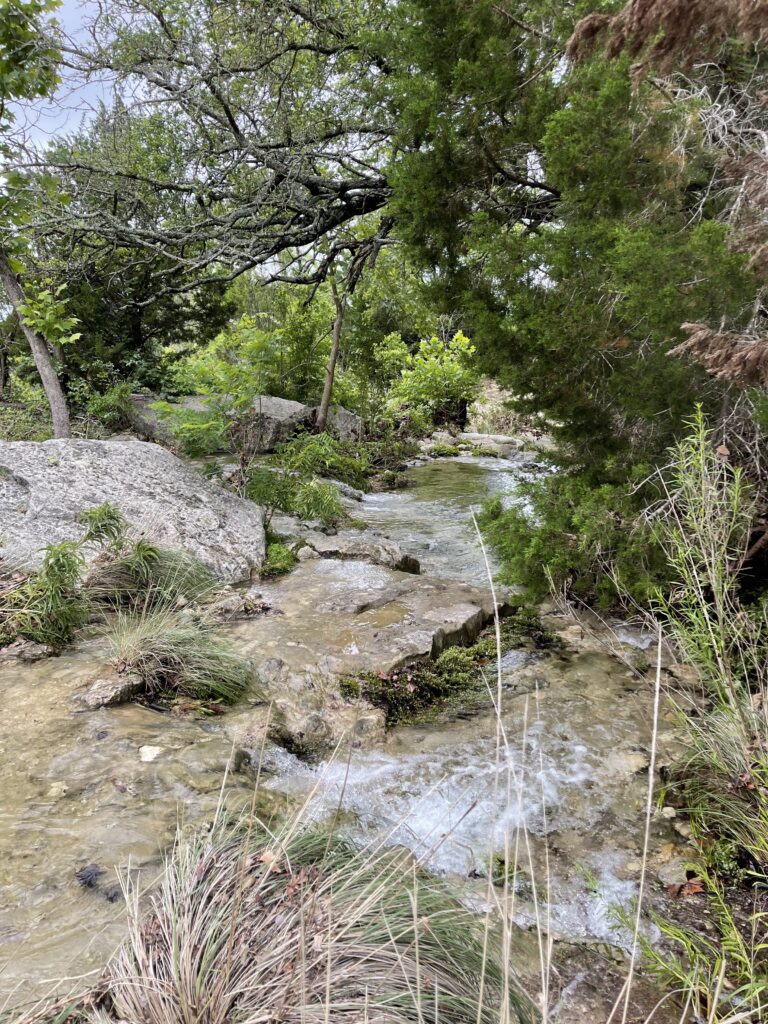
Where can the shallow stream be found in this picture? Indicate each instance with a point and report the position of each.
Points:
(563, 766)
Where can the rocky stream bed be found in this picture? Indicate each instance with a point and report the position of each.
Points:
(105, 789)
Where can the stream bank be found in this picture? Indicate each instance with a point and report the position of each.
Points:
(107, 787)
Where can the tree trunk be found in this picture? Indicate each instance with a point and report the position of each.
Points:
(325, 403)
(41, 355)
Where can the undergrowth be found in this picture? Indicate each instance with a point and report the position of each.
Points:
(703, 526)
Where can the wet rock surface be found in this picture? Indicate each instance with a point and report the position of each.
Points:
(44, 486)
(112, 688)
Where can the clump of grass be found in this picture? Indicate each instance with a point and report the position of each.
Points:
(47, 606)
(280, 559)
(141, 573)
(444, 451)
(249, 926)
(704, 525)
(722, 783)
(724, 979)
(177, 654)
(137, 572)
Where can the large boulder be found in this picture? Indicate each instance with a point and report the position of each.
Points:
(45, 485)
(151, 425)
(270, 421)
(345, 425)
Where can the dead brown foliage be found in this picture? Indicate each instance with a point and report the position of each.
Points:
(740, 359)
(671, 33)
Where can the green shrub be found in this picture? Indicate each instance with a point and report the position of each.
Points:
(278, 489)
(280, 560)
(316, 499)
(723, 976)
(321, 455)
(199, 432)
(438, 382)
(590, 541)
(105, 524)
(24, 412)
(175, 653)
(48, 606)
(112, 407)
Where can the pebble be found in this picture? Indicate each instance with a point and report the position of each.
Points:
(149, 753)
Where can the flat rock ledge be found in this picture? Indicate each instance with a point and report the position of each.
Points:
(331, 619)
(44, 486)
(345, 545)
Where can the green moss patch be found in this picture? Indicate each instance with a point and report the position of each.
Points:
(453, 681)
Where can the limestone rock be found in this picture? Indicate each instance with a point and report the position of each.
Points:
(270, 421)
(148, 424)
(27, 650)
(342, 617)
(345, 425)
(378, 550)
(113, 688)
(307, 716)
(346, 490)
(44, 486)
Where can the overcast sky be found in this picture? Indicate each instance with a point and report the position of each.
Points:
(72, 103)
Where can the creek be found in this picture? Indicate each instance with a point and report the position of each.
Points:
(561, 771)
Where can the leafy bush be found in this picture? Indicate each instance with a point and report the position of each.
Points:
(280, 351)
(111, 408)
(321, 455)
(48, 606)
(105, 524)
(286, 481)
(24, 413)
(316, 499)
(438, 382)
(175, 653)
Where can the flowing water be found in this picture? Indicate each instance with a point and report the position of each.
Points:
(564, 776)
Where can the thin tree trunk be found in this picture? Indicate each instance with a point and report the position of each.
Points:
(325, 403)
(41, 355)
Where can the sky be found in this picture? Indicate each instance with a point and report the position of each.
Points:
(73, 102)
